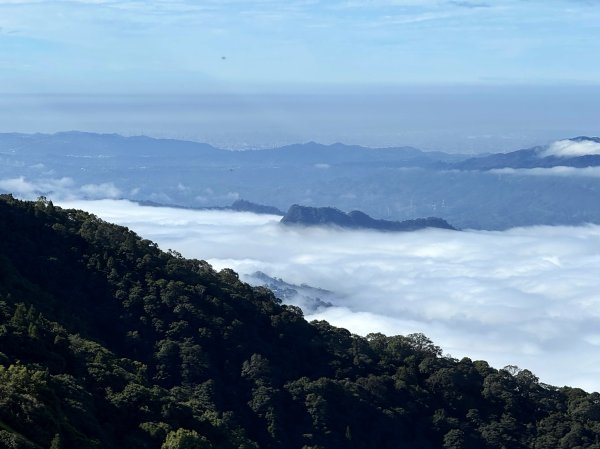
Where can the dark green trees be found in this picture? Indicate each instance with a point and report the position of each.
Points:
(108, 342)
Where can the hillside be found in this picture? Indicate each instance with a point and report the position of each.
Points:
(108, 342)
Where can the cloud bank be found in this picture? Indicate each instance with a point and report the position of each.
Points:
(592, 172)
(59, 188)
(527, 296)
(572, 148)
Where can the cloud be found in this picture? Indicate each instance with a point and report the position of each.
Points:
(104, 190)
(58, 188)
(526, 296)
(572, 148)
(29, 189)
(90, 43)
(464, 4)
(560, 170)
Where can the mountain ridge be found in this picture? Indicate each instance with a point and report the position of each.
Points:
(395, 184)
(331, 216)
(531, 158)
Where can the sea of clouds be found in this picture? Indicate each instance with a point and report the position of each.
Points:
(527, 296)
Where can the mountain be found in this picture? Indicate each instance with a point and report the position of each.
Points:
(307, 297)
(76, 145)
(312, 153)
(81, 145)
(536, 157)
(108, 342)
(238, 206)
(248, 206)
(396, 184)
(318, 216)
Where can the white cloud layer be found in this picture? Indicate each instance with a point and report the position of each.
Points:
(572, 148)
(104, 190)
(29, 189)
(593, 172)
(58, 188)
(527, 296)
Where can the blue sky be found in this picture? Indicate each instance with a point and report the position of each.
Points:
(165, 46)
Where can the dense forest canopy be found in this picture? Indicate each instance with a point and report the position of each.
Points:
(108, 342)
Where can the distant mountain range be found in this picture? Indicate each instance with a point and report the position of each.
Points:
(492, 191)
(75, 145)
(238, 206)
(531, 158)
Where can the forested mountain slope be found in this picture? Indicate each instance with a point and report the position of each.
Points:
(108, 342)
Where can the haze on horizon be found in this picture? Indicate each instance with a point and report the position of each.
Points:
(459, 76)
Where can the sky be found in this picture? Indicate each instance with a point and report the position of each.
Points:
(526, 296)
(458, 119)
(453, 75)
(166, 46)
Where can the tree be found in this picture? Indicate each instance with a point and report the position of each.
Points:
(56, 443)
(454, 439)
(185, 439)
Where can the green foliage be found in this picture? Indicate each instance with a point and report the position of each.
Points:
(56, 442)
(185, 439)
(108, 342)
